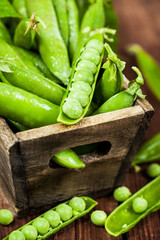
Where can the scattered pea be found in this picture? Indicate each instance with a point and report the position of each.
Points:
(95, 44)
(121, 194)
(81, 96)
(77, 204)
(72, 108)
(139, 205)
(53, 218)
(42, 225)
(98, 218)
(80, 85)
(153, 170)
(16, 235)
(30, 232)
(85, 65)
(65, 211)
(6, 217)
(91, 55)
(84, 75)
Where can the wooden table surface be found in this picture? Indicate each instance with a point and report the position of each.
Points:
(139, 22)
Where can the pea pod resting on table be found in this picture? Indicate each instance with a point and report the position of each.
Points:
(56, 218)
(125, 98)
(50, 42)
(80, 90)
(4, 33)
(149, 151)
(112, 78)
(123, 218)
(34, 83)
(62, 17)
(34, 62)
(149, 68)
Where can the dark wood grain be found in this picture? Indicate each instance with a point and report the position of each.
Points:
(139, 23)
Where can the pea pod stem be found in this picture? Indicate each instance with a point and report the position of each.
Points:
(90, 204)
(148, 152)
(123, 218)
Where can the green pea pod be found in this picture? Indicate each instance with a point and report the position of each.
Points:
(123, 218)
(125, 98)
(90, 204)
(17, 125)
(82, 7)
(31, 110)
(24, 36)
(51, 45)
(78, 96)
(34, 62)
(111, 21)
(4, 33)
(149, 68)
(7, 10)
(34, 83)
(62, 17)
(112, 78)
(7, 53)
(73, 27)
(68, 159)
(93, 19)
(20, 7)
(149, 151)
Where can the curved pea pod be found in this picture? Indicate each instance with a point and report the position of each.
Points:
(17, 125)
(26, 108)
(68, 159)
(51, 45)
(62, 17)
(34, 62)
(149, 151)
(73, 27)
(20, 7)
(90, 204)
(112, 78)
(4, 33)
(123, 218)
(93, 19)
(125, 98)
(78, 96)
(34, 83)
(24, 35)
(149, 68)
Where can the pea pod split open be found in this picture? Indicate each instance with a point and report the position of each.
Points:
(89, 203)
(80, 90)
(124, 218)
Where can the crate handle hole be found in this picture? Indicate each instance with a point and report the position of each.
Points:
(104, 148)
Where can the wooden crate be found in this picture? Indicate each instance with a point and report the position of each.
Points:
(31, 185)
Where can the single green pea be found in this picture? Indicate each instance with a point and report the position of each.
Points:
(98, 218)
(153, 170)
(42, 225)
(53, 218)
(6, 216)
(139, 205)
(81, 96)
(85, 76)
(82, 86)
(77, 204)
(30, 232)
(85, 65)
(95, 44)
(91, 55)
(65, 211)
(72, 108)
(16, 235)
(121, 194)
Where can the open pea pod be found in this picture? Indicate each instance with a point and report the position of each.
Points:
(90, 204)
(123, 218)
(80, 90)
(149, 151)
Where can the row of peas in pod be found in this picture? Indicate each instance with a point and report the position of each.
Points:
(53, 220)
